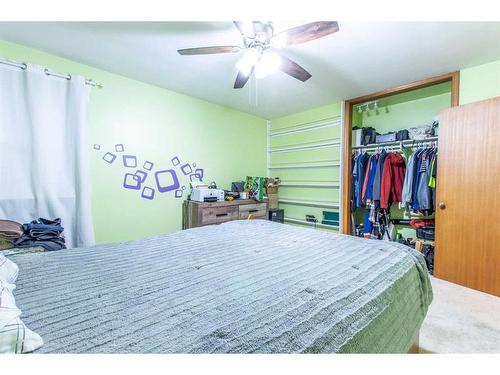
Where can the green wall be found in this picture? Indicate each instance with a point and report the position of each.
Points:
(154, 124)
(480, 82)
(318, 175)
(408, 110)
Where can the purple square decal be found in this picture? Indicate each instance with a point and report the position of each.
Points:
(109, 157)
(175, 161)
(97, 147)
(186, 169)
(166, 180)
(119, 147)
(200, 172)
(129, 161)
(178, 193)
(194, 177)
(148, 165)
(131, 181)
(142, 175)
(148, 193)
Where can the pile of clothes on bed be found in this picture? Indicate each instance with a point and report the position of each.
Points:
(44, 233)
(10, 231)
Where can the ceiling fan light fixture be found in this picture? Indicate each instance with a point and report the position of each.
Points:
(247, 28)
(279, 41)
(268, 63)
(248, 61)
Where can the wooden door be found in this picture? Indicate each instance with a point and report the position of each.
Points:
(468, 196)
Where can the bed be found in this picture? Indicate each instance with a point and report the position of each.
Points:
(239, 287)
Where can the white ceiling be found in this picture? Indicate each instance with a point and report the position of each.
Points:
(361, 58)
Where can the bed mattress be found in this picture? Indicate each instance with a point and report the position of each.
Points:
(240, 287)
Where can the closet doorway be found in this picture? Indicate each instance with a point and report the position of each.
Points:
(377, 207)
(346, 212)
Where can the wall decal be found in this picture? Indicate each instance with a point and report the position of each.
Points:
(142, 175)
(195, 177)
(131, 181)
(148, 193)
(129, 161)
(148, 165)
(175, 161)
(109, 157)
(166, 180)
(199, 171)
(186, 169)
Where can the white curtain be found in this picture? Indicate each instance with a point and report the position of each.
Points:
(44, 169)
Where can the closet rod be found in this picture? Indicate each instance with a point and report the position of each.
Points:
(396, 143)
(24, 66)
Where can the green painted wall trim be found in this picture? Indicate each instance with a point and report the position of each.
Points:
(154, 124)
(480, 82)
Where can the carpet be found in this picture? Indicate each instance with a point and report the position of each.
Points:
(460, 320)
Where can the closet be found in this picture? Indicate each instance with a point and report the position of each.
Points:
(463, 154)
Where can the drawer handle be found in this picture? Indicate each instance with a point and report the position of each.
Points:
(252, 211)
(219, 215)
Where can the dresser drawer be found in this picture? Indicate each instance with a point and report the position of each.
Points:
(216, 215)
(258, 210)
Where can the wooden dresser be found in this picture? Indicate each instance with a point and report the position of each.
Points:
(198, 214)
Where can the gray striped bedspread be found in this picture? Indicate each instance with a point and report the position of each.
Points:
(240, 287)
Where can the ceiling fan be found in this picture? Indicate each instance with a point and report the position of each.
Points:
(261, 55)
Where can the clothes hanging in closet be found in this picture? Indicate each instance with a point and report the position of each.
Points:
(377, 182)
(383, 178)
(377, 177)
(419, 187)
(358, 173)
(391, 186)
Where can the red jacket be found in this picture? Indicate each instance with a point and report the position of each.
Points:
(393, 175)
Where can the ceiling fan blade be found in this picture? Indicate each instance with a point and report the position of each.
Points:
(246, 29)
(209, 50)
(242, 79)
(307, 32)
(293, 69)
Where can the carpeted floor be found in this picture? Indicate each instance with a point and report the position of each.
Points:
(461, 320)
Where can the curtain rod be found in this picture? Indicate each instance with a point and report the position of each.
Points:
(23, 66)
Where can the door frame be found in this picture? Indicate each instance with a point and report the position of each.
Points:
(453, 77)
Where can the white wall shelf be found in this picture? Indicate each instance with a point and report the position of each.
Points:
(312, 224)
